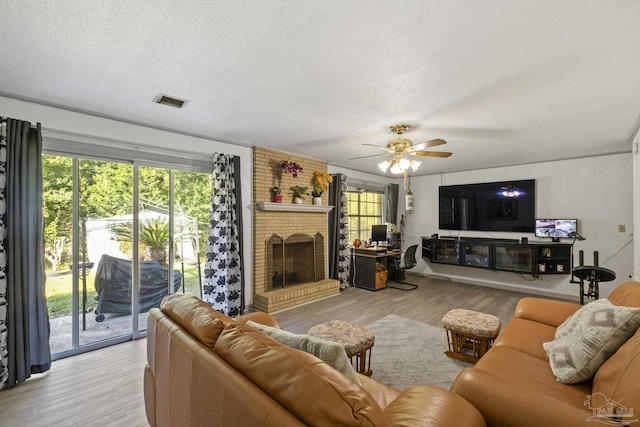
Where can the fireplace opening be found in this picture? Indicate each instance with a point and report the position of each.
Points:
(295, 260)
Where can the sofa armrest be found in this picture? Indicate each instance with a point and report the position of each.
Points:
(549, 312)
(382, 393)
(431, 406)
(260, 317)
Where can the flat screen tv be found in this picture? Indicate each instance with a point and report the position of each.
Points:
(489, 206)
(556, 227)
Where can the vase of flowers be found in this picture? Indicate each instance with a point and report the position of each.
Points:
(284, 166)
(298, 193)
(321, 181)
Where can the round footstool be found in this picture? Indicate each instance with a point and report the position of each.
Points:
(470, 333)
(356, 340)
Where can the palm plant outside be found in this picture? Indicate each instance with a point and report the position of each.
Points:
(153, 236)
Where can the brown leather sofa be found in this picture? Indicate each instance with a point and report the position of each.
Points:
(513, 385)
(206, 369)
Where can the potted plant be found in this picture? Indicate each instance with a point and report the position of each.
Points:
(277, 194)
(321, 182)
(290, 167)
(298, 193)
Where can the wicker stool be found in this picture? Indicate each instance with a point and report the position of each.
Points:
(470, 333)
(355, 339)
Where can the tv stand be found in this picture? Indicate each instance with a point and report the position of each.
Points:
(534, 258)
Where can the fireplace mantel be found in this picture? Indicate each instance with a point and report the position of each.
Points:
(292, 207)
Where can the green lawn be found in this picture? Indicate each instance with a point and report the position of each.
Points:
(59, 290)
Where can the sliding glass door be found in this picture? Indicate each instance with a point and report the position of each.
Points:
(117, 241)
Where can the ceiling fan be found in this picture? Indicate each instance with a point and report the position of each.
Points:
(401, 148)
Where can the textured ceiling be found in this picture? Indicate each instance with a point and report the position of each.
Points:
(504, 82)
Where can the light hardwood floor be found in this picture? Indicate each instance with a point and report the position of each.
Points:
(104, 387)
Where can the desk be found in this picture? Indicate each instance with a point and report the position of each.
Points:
(363, 266)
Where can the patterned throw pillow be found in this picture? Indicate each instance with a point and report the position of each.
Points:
(333, 354)
(588, 338)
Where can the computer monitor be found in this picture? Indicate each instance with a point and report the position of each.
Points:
(378, 234)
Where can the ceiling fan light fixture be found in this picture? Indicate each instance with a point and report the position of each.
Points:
(403, 152)
(399, 165)
(396, 169)
(404, 163)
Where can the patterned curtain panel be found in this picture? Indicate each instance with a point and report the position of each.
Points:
(4, 360)
(24, 323)
(339, 259)
(222, 284)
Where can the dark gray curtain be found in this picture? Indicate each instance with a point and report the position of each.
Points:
(339, 259)
(237, 176)
(222, 284)
(22, 279)
(391, 206)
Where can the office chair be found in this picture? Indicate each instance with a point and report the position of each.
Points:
(409, 263)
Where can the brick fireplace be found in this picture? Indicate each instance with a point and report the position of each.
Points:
(290, 241)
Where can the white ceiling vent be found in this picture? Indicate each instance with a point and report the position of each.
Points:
(171, 101)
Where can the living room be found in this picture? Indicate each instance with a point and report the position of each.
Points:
(534, 119)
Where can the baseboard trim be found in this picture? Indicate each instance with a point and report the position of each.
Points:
(502, 286)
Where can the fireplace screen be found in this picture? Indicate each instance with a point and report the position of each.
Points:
(295, 260)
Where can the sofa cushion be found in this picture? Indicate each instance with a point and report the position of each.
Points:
(330, 352)
(511, 388)
(309, 388)
(588, 338)
(617, 379)
(194, 315)
(526, 336)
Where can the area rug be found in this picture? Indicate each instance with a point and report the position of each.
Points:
(407, 352)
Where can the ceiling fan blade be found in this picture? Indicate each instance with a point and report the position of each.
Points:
(378, 147)
(371, 155)
(442, 154)
(427, 144)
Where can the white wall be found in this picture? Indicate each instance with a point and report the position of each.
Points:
(596, 190)
(636, 206)
(60, 120)
(364, 177)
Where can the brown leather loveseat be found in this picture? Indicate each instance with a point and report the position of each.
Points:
(206, 369)
(513, 384)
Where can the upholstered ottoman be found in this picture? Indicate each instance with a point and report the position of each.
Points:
(356, 340)
(470, 333)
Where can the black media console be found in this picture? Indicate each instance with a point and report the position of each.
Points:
(499, 254)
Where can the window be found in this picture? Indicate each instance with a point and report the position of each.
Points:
(365, 208)
(92, 198)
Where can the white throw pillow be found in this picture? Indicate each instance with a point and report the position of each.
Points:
(332, 353)
(588, 338)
